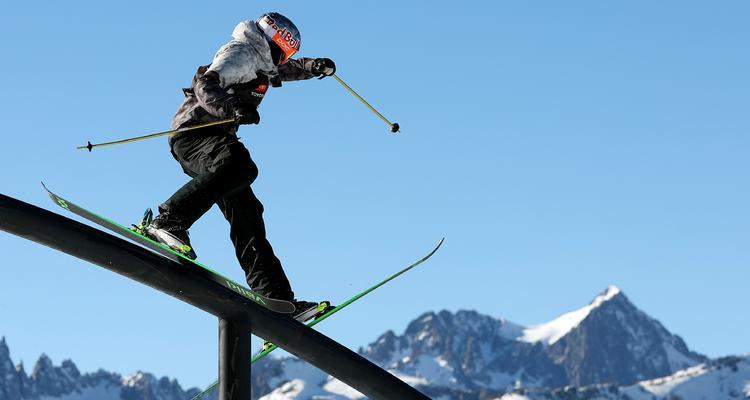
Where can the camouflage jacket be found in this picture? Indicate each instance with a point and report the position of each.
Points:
(244, 68)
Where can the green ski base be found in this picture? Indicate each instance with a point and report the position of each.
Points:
(336, 309)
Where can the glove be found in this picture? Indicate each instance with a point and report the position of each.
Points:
(323, 67)
(245, 114)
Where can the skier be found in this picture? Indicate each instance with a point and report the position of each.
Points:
(233, 86)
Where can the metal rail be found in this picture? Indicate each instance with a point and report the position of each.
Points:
(187, 284)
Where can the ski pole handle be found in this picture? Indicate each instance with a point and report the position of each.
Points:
(90, 146)
(395, 128)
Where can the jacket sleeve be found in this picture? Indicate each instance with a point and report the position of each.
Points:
(234, 63)
(211, 96)
(296, 69)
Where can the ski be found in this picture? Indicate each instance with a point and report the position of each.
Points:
(264, 352)
(279, 306)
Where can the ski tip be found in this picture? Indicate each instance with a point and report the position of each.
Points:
(435, 249)
(49, 192)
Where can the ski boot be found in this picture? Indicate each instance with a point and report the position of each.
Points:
(166, 232)
(305, 311)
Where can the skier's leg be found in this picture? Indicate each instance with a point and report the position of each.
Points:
(218, 163)
(263, 269)
(248, 233)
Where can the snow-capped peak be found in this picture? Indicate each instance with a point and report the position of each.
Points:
(550, 332)
(132, 380)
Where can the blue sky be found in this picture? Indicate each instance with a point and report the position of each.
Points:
(559, 146)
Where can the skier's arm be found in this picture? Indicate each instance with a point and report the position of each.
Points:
(305, 68)
(296, 69)
(232, 64)
(221, 104)
(212, 97)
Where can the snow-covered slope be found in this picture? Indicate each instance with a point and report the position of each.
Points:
(723, 379)
(552, 331)
(299, 380)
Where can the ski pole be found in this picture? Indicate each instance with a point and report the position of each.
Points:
(90, 146)
(394, 126)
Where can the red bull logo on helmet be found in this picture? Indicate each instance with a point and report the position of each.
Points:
(288, 41)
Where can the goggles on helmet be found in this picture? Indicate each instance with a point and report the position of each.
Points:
(281, 31)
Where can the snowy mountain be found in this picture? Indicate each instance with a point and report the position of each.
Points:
(48, 382)
(723, 379)
(608, 340)
(551, 332)
(606, 348)
(469, 355)
(613, 342)
(291, 378)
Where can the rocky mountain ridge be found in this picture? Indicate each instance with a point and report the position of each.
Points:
(65, 382)
(609, 340)
(606, 350)
(467, 355)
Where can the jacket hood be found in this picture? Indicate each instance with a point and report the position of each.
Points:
(248, 32)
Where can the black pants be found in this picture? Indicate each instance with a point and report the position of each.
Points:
(222, 172)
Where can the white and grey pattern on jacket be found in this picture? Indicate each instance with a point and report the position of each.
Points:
(248, 54)
(241, 60)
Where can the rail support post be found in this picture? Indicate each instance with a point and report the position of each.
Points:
(234, 356)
